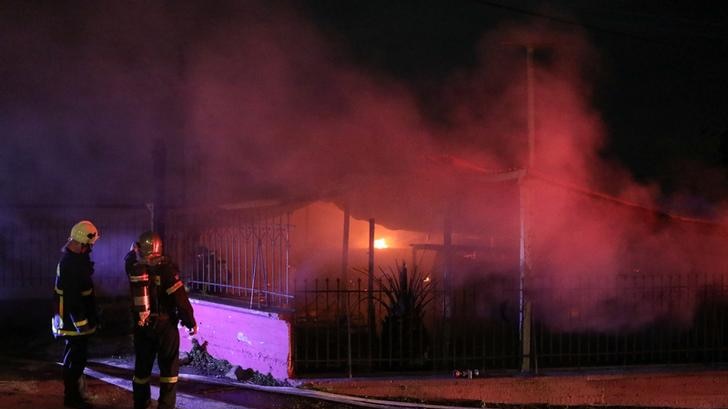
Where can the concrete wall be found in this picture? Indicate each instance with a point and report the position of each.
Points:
(249, 338)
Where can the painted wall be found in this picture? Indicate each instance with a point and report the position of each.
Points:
(251, 339)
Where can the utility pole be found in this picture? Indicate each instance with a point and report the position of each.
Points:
(531, 108)
(447, 286)
(159, 170)
(525, 311)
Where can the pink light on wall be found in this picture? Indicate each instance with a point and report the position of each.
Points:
(252, 339)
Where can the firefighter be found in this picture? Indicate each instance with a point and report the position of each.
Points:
(159, 303)
(75, 309)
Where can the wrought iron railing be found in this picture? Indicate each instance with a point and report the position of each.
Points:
(652, 320)
(240, 258)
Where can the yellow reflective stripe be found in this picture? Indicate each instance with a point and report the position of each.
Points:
(74, 333)
(58, 269)
(157, 280)
(175, 287)
(136, 279)
(60, 306)
(168, 379)
(141, 301)
(83, 293)
(80, 323)
(140, 381)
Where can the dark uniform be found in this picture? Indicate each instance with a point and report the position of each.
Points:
(157, 336)
(75, 317)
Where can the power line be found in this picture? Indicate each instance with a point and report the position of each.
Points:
(575, 23)
(664, 18)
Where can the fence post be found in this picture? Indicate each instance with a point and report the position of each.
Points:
(370, 294)
(345, 279)
(447, 288)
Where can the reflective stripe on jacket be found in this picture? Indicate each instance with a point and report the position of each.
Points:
(166, 290)
(73, 296)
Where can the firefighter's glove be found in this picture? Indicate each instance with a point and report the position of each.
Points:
(56, 325)
(192, 331)
(143, 318)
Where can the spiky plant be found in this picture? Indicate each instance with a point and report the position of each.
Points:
(404, 297)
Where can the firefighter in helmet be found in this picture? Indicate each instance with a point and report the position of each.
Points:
(159, 303)
(75, 309)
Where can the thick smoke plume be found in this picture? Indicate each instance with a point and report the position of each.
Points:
(254, 102)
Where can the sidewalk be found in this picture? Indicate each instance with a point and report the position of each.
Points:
(31, 379)
(26, 384)
(29, 384)
(694, 388)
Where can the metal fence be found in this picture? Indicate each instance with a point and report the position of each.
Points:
(31, 238)
(648, 319)
(653, 319)
(327, 339)
(239, 256)
(227, 254)
(673, 319)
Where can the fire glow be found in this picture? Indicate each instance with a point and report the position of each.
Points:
(381, 244)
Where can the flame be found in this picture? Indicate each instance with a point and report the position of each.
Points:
(381, 244)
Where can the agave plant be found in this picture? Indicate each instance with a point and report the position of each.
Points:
(404, 297)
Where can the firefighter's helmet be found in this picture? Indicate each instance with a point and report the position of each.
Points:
(150, 246)
(84, 232)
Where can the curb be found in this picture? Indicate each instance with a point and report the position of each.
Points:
(286, 390)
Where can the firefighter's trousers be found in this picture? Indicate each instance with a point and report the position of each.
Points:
(74, 362)
(158, 339)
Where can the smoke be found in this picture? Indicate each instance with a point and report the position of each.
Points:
(272, 104)
(601, 254)
(84, 97)
(254, 101)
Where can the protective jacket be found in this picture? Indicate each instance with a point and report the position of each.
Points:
(167, 296)
(73, 296)
(159, 302)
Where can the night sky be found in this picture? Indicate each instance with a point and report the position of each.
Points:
(658, 79)
(660, 83)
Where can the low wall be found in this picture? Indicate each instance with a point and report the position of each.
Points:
(249, 338)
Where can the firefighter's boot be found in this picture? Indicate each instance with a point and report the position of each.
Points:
(75, 393)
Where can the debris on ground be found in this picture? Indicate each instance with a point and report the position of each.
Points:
(201, 360)
(267, 380)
